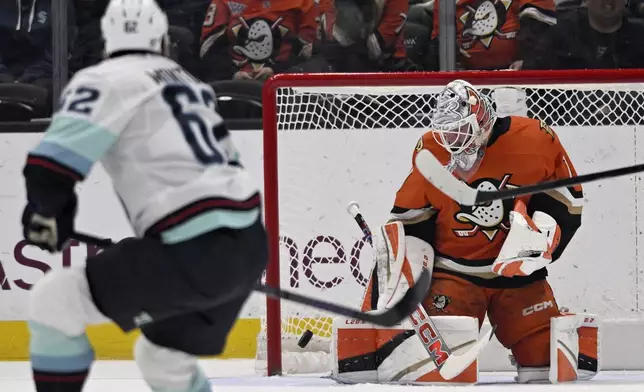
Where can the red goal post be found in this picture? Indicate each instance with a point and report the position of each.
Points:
(545, 81)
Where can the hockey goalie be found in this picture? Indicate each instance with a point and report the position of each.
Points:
(487, 260)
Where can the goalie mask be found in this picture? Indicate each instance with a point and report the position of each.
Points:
(462, 123)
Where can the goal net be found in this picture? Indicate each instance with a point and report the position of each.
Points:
(331, 139)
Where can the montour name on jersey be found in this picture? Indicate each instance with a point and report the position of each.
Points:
(176, 75)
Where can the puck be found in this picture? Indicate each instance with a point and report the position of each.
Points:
(305, 338)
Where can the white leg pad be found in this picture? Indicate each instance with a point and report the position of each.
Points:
(165, 369)
(62, 300)
(565, 351)
(405, 361)
(564, 348)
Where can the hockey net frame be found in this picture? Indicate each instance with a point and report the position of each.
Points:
(271, 131)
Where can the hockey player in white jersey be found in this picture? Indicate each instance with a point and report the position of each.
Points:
(196, 213)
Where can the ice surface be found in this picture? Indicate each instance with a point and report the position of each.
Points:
(238, 376)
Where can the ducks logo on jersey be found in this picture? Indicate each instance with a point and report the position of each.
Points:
(258, 39)
(483, 23)
(487, 218)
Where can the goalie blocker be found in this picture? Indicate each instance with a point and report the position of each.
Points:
(367, 353)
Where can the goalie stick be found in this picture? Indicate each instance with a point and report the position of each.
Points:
(449, 365)
(433, 171)
(389, 317)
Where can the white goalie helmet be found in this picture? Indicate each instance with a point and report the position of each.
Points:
(463, 118)
(134, 25)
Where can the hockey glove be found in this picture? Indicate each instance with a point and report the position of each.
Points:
(529, 245)
(49, 233)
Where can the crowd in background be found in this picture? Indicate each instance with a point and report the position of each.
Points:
(246, 40)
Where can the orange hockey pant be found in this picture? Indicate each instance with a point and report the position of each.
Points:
(522, 315)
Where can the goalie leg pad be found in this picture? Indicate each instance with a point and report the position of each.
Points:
(367, 353)
(589, 346)
(574, 347)
(574, 351)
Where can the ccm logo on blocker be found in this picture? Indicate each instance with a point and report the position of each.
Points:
(537, 308)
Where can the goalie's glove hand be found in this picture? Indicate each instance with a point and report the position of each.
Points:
(529, 244)
(51, 233)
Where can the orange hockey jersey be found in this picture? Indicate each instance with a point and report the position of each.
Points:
(467, 239)
(260, 33)
(391, 25)
(487, 29)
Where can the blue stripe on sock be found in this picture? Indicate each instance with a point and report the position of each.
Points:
(53, 351)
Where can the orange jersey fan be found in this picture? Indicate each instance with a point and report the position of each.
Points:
(466, 239)
(487, 30)
(260, 33)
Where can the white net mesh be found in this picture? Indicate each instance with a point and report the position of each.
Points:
(336, 145)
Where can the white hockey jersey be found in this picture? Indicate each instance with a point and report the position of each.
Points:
(155, 130)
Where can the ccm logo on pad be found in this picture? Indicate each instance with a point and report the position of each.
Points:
(537, 308)
(429, 337)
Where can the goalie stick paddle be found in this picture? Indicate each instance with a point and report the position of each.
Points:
(433, 171)
(387, 318)
(449, 365)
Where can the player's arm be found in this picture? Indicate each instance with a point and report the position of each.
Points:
(413, 209)
(413, 205)
(213, 49)
(386, 41)
(564, 204)
(324, 18)
(87, 124)
(307, 31)
(431, 59)
(541, 231)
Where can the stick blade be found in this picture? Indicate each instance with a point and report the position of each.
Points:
(456, 364)
(407, 304)
(434, 172)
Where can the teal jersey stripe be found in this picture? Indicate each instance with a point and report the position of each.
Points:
(209, 221)
(80, 136)
(64, 156)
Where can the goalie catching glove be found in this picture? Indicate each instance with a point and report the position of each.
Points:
(529, 244)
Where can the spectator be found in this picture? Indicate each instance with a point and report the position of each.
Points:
(26, 44)
(88, 49)
(254, 39)
(185, 18)
(182, 31)
(418, 32)
(496, 34)
(369, 36)
(636, 8)
(596, 37)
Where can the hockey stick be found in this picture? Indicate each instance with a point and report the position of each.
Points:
(435, 172)
(389, 317)
(449, 365)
